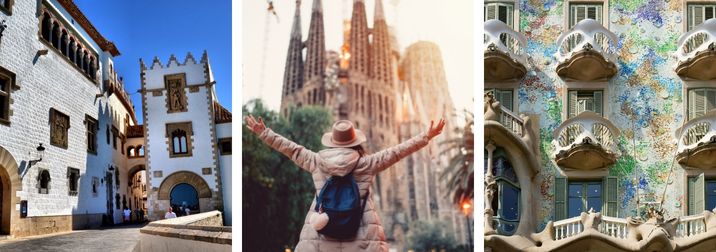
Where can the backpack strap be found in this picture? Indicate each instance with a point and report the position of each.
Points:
(319, 197)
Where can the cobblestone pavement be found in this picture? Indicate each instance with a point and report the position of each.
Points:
(115, 239)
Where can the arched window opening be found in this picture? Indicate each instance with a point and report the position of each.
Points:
(46, 27)
(63, 43)
(179, 142)
(78, 59)
(85, 62)
(72, 48)
(55, 39)
(131, 152)
(92, 68)
(506, 200)
(140, 151)
(44, 182)
(184, 196)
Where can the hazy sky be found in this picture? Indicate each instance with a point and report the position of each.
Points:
(449, 24)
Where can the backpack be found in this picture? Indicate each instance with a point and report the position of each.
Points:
(340, 199)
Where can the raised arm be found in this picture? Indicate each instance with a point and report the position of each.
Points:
(383, 159)
(304, 158)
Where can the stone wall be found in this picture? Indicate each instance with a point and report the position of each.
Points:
(199, 232)
(52, 224)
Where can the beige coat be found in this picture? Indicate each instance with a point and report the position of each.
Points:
(340, 162)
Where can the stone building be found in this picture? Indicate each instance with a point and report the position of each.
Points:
(187, 138)
(598, 126)
(362, 83)
(72, 154)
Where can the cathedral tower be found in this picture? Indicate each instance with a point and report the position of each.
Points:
(293, 73)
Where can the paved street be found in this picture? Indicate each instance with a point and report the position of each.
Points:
(122, 238)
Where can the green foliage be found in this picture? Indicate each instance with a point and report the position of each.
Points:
(426, 235)
(460, 169)
(277, 193)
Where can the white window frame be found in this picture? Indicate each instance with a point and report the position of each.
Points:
(568, 11)
(515, 11)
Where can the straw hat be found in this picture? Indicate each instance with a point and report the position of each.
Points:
(343, 135)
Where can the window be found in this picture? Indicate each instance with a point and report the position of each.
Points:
(698, 13)
(225, 146)
(95, 186)
(506, 202)
(140, 151)
(115, 132)
(576, 196)
(179, 142)
(91, 125)
(59, 126)
(701, 193)
(130, 151)
(179, 137)
(43, 182)
(500, 11)
(504, 96)
(73, 178)
(56, 36)
(581, 100)
(107, 132)
(581, 11)
(700, 101)
(7, 81)
(6, 6)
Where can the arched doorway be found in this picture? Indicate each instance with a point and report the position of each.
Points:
(203, 192)
(184, 196)
(9, 184)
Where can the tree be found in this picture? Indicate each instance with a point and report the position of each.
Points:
(460, 169)
(276, 192)
(427, 235)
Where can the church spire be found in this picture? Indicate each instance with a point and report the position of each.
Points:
(359, 39)
(315, 52)
(380, 61)
(293, 72)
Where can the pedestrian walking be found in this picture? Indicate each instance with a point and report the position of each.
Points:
(341, 167)
(170, 214)
(127, 214)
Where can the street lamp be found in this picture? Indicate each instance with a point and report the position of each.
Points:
(467, 210)
(40, 152)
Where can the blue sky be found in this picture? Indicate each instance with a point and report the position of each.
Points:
(144, 29)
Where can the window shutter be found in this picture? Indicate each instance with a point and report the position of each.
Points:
(698, 17)
(572, 104)
(598, 100)
(572, 15)
(560, 198)
(491, 12)
(611, 196)
(699, 194)
(510, 17)
(581, 14)
(506, 98)
(591, 12)
(710, 99)
(699, 102)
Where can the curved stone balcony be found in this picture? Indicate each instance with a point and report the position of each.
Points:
(587, 53)
(505, 57)
(604, 233)
(696, 53)
(585, 142)
(697, 142)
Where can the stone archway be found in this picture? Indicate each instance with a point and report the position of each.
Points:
(196, 181)
(10, 184)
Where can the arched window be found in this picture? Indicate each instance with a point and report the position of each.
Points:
(78, 58)
(140, 151)
(92, 68)
(72, 48)
(85, 62)
(55, 39)
(184, 196)
(131, 151)
(63, 43)
(46, 27)
(506, 200)
(179, 140)
(44, 182)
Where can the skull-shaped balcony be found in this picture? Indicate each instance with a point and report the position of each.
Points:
(696, 53)
(585, 142)
(697, 142)
(587, 53)
(505, 57)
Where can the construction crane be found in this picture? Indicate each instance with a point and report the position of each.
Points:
(270, 11)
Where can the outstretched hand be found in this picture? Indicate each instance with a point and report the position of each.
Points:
(256, 126)
(434, 131)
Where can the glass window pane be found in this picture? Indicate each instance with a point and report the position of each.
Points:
(575, 190)
(575, 207)
(595, 203)
(502, 15)
(710, 202)
(510, 202)
(594, 190)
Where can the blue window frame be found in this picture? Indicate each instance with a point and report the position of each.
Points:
(506, 202)
(583, 195)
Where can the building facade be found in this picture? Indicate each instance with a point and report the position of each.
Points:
(598, 126)
(187, 138)
(361, 83)
(72, 154)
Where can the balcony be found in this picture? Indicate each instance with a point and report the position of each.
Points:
(604, 233)
(697, 142)
(585, 142)
(696, 53)
(511, 122)
(587, 53)
(505, 57)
